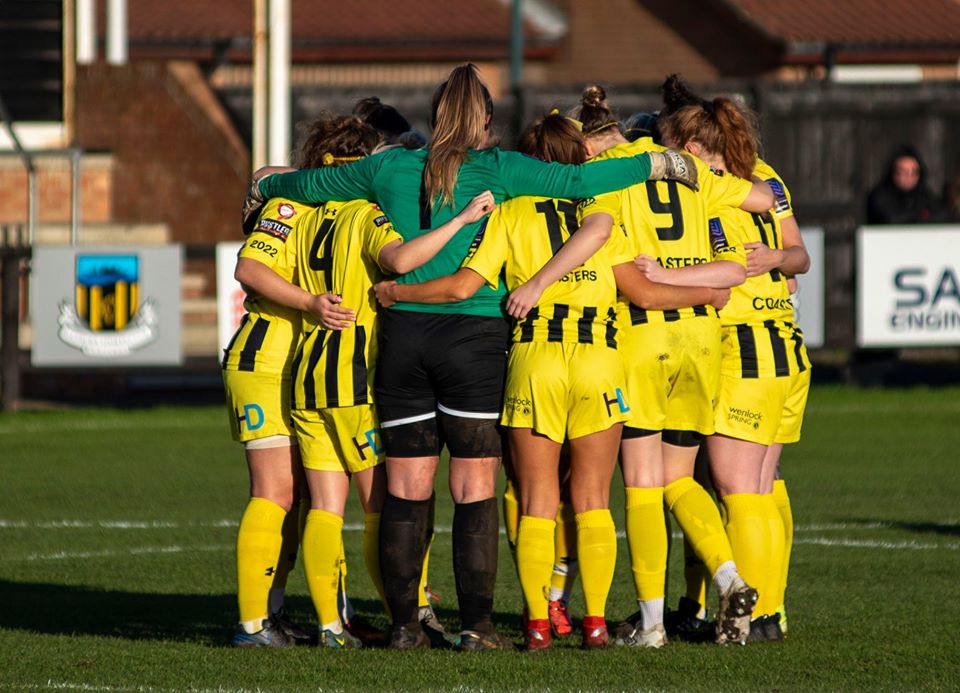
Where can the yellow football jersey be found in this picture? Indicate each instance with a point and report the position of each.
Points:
(519, 238)
(267, 337)
(670, 222)
(336, 251)
(760, 336)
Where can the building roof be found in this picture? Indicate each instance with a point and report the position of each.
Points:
(332, 31)
(868, 26)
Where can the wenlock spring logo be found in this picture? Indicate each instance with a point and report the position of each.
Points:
(107, 317)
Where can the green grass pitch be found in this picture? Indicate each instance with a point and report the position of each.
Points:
(117, 574)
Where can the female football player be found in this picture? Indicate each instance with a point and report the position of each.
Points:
(765, 373)
(442, 366)
(673, 362)
(256, 375)
(341, 248)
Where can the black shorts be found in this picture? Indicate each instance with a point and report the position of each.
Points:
(431, 361)
(450, 367)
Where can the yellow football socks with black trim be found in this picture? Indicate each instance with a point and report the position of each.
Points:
(258, 552)
(597, 549)
(782, 500)
(288, 557)
(323, 564)
(535, 547)
(749, 533)
(647, 540)
(698, 517)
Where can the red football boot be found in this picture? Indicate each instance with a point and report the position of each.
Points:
(595, 636)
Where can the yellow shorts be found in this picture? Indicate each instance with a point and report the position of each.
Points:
(673, 373)
(339, 439)
(763, 410)
(259, 405)
(564, 390)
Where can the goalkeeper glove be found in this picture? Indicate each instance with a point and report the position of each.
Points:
(673, 165)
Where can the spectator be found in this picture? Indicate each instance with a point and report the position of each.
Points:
(903, 197)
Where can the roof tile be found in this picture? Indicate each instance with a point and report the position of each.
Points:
(866, 22)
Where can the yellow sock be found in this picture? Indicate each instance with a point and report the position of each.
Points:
(288, 557)
(695, 575)
(565, 553)
(597, 546)
(698, 517)
(322, 551)
(422, 593)
(258, 552)
(782, 501)
(511, 518)
(749, 534)
(774, 597)
(371, 554)
(647, 540)
(535, 562)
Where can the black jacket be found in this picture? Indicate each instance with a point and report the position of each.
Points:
(887, 204)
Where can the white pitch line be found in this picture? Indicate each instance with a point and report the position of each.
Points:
(111, 524)
(112, 553)
(52, 685)
(843, 526)
(867, 544)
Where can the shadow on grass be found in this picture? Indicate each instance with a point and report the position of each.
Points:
(943, 528)
(952, 530)
(198, 618)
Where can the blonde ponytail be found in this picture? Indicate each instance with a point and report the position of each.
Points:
(461, 110)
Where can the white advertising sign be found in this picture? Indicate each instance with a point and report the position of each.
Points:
(908, 291)
(230, 295)
(808, 301)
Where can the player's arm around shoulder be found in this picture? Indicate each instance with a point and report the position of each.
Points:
(649, 295)
(401, 257)
(792, 258)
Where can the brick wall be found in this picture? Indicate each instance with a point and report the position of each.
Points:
(177, 159)
(53, 189)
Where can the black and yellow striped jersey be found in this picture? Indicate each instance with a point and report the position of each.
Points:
(761, 338)
(670, 222)
(336, 251)
(518, 239)
(771, 349)
(267, 336)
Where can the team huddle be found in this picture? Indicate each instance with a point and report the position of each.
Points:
(611, 294)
